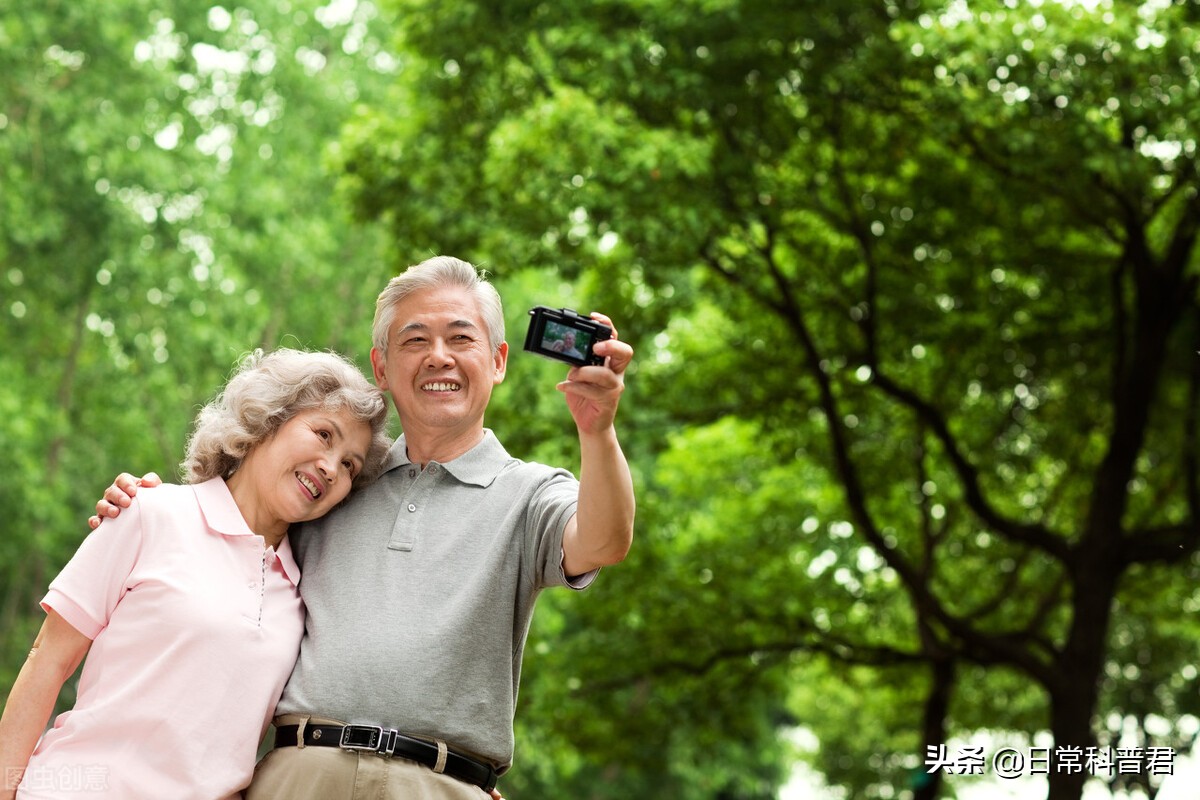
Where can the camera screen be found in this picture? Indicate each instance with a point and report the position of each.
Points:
(559, 338)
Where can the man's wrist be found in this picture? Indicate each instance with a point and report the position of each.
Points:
(604, 438)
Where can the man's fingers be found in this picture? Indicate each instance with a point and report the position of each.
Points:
(619, 354)
(604, 318)
(593, 390)
(130, 483)
(115, 497)
(119, 494)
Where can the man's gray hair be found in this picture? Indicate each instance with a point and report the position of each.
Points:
(437, 273)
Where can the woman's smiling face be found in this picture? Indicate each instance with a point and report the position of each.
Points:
(302, 471)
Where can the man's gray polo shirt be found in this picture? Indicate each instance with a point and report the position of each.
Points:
(420, 590)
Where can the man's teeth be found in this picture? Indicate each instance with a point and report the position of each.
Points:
(441, 386)
(308, 484)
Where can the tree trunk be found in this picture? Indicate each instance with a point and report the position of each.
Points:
(928, 785)
(1073, 697)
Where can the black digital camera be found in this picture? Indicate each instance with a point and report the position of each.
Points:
(563, 335)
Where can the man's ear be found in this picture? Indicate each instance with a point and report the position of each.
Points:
(378, 362)
(501, 363)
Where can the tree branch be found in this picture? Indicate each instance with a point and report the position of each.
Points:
(821, 643)
(1165, 545)
(1029, 534)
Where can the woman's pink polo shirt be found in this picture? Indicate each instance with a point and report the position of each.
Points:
(195, 627)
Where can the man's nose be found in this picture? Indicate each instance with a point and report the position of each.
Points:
(439, 354)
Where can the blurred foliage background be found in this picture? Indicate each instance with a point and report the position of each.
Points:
(914, 292)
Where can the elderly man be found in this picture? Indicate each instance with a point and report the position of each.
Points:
(421, 588)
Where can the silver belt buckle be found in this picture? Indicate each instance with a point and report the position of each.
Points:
(361, 737)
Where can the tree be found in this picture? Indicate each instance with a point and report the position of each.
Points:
(940, 263)
(164, 211)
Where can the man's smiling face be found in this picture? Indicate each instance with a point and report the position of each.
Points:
(439, 366)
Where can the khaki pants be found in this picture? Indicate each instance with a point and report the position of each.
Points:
(330, 773)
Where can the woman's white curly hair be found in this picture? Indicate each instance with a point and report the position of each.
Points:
(266, 391)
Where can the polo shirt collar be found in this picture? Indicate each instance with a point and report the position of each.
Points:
(478, 466)
(223, 516)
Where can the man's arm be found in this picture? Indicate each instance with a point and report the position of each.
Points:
(56, 653)
(601, 531)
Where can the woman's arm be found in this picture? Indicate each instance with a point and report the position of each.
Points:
(56, 654)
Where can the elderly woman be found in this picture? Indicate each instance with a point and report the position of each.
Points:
(187, 605)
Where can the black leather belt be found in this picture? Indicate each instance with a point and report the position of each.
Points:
(387, 743)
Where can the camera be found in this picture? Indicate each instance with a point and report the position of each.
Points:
(563, 335)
